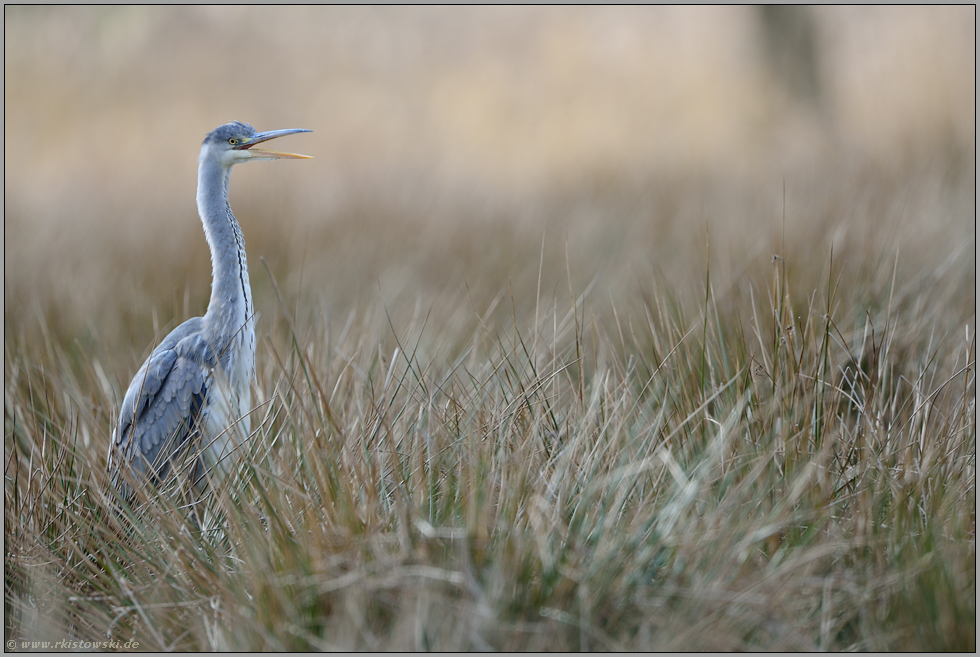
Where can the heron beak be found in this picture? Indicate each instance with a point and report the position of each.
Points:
(273, 155)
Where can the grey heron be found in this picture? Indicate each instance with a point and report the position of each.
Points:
(192, 396)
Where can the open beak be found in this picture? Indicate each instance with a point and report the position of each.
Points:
(272, 155)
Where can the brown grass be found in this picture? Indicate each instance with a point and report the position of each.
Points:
(517, 394)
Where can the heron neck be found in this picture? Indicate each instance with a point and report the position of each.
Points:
(230, 311)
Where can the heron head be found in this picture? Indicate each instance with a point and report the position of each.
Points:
(233, 143)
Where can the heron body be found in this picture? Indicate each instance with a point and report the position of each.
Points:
(191, 398)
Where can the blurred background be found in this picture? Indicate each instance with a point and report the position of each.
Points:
(462, 152)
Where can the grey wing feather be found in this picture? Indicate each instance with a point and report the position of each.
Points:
(162, 406)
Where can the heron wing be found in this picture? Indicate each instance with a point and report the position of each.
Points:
(163, 405)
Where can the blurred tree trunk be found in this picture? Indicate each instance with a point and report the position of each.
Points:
(789, 36)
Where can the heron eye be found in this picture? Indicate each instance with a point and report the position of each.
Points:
(232, 141)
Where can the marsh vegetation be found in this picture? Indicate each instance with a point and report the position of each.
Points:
(625, 407)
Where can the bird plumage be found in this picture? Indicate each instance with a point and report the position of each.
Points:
(192, 396)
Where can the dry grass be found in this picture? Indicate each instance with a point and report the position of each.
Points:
(785, 462)
(624, 408)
